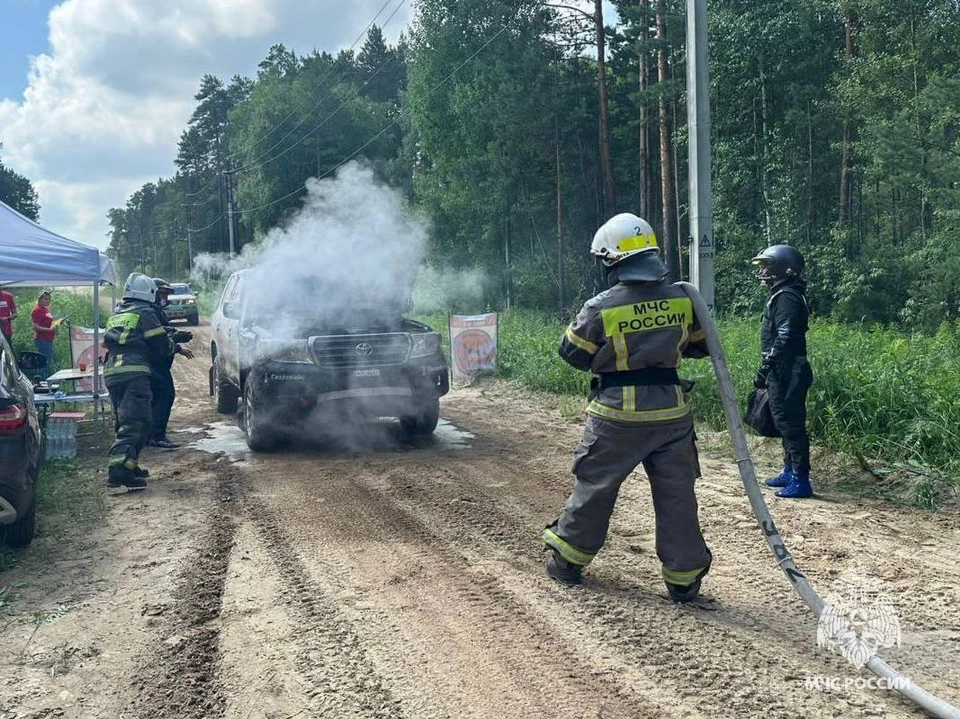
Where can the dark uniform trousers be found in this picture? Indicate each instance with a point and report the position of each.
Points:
(164, 393)
(787, 387)
(607, 455)
(132, 401)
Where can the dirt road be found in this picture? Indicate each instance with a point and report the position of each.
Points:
(383, 580)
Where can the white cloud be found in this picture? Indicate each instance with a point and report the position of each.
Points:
(105, 108)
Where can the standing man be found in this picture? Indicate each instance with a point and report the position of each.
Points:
(784, 369)
(162, 387)
(135, 340)
(44, 330)
(8, 313)
(632, 337)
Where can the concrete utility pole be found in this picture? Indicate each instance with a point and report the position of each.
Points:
(698, 122)
(186, 208)
(228, 177)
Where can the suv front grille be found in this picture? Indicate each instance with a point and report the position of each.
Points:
(381, 350)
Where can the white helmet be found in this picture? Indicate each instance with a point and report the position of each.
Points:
(140, 287)
(628, 236)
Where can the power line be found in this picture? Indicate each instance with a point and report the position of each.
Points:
(258, 161)
(388, 127)
(206, 227)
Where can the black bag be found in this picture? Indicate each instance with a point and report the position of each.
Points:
(758, 416)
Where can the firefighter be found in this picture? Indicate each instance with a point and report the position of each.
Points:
(784, 369)
(632, 337)
(161, 384)
(135, 340)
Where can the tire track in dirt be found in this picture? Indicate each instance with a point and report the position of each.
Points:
(746, 678)
(331, 655)
(178, 677)
(531, 668)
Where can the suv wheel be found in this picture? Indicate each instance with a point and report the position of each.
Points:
(224, 394)
(195, 320)
(20, 533)
(425, 423)
(260, 437)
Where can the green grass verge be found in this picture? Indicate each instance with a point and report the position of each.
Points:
(886, 399)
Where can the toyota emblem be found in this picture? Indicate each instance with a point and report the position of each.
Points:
(364, 349)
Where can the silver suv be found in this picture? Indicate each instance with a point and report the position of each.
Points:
(284, 366)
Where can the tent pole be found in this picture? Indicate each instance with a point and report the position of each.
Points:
(96, 349)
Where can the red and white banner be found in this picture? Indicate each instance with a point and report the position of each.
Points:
(81, 350)
(473, 344)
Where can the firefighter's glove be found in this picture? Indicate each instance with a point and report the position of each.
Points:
(181, 336)
(760, 379)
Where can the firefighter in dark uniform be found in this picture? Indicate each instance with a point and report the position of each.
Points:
(784, 369)
(162, 387)
(135, 339)
(632, 337)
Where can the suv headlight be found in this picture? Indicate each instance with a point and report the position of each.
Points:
(191, 302)
(424, 344)
(284, 351)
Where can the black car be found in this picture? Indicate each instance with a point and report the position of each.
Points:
(291, 367)
(21, 451)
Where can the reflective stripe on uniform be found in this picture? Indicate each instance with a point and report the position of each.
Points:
(683, 579)
(623, 353)
(638, 415)
(127, 369)
(637, 242)
(647, 316)
(126, 322)
(154, 332)
(698, 336)
(567, 551)
(580, 343)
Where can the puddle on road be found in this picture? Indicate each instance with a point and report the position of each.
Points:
(223, 437)
(228, 439)
(449, 436)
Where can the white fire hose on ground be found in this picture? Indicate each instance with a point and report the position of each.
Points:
(922, 698)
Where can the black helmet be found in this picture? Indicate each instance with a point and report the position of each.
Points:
(779, 262)
(162, 283)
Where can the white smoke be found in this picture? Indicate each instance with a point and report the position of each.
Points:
(449, 290)
(353, 251)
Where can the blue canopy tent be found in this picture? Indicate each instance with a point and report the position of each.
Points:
(31, 256)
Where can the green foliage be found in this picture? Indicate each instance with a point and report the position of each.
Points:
(18, 192)
(75, 304)
(878, 393)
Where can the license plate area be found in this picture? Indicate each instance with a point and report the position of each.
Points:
(366, 373)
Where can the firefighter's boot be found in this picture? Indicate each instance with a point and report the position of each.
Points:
(683, 594)
(782, 479)
(563, 571)
(799, 487)
(120, 476)
(141, 472)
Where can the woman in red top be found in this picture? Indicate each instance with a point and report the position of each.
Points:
(44, 330)
(8, 313)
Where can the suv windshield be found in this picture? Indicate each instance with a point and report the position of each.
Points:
(182, 290)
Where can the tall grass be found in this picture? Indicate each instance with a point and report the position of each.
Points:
(76, 304)
(878, 393)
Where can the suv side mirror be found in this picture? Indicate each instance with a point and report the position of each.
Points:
(231, 310)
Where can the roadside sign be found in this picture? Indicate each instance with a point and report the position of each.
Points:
(473, 345)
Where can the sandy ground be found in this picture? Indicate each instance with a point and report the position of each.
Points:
(377, 579)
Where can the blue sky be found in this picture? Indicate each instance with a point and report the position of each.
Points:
(23, 33)
(113, 81)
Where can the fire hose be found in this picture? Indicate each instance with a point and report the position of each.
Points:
(919, 696)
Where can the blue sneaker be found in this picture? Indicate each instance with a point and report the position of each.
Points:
(799, 487)
(782, 479)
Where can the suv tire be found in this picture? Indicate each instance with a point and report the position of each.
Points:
(195, 320)
(20, 533)
(260, 436)
(225, 395)
(425, 423)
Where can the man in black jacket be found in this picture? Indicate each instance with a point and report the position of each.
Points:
(161, 384)
(784, 369)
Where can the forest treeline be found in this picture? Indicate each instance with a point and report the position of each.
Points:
(519, 127)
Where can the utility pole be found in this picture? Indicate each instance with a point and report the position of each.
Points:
(698, 122)
(186, 209)
(228, 178)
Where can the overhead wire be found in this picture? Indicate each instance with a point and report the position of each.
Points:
(380, 134)
(322, 80)
(258, 161)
